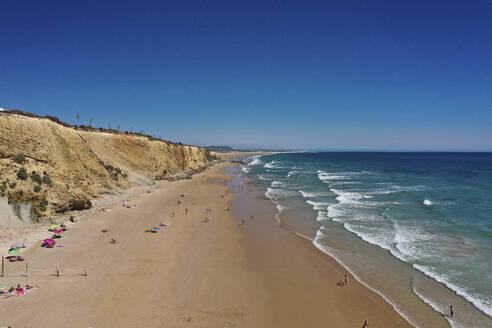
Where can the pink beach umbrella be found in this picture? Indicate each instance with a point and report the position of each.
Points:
(49, 242)
(57, 231)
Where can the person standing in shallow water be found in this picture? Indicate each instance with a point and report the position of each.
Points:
(451, 312)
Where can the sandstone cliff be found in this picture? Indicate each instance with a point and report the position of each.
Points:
(66, 167)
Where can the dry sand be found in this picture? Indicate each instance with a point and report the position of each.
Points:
(190, 274)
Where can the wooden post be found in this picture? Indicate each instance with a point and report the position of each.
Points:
(57, 269)
(3, 266)
(26, 269)
(85, 272)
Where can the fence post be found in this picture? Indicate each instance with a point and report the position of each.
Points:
(57, 269)
(3, 266)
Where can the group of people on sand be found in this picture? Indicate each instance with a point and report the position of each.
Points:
(19, 290)
(208, 217)
(343, 281)
(366, 324)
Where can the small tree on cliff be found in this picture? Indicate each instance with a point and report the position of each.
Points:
(20, 158)
(78, 120)
(22, 173)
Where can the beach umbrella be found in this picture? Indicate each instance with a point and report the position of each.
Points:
(49, 241)
(157, 228)
(14, 251)
(57, 231)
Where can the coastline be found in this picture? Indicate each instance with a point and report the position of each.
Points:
(313, 264)
(191, 274)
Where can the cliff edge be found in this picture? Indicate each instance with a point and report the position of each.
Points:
(54, 167)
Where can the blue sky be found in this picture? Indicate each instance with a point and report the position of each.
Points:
(355, 75)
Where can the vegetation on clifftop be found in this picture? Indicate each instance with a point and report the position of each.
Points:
(63, 167)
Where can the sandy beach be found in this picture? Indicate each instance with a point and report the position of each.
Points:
(190, 273)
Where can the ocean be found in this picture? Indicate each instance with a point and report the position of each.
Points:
(414, 227)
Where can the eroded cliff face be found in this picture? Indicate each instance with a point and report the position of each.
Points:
(71, 166)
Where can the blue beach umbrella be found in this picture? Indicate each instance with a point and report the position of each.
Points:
(157, 228)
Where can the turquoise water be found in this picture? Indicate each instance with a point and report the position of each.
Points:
(431, 211)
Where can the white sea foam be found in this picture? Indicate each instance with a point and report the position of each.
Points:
(380, 238)
(277, 193)
(255, 160)
(327, 250)
(306, 194)
(408, 241)
(345, 197)
(334, 212)
(318, 205)
(245, 169)
(427, 202)
(322, 216)
(328, 177)
(291, 173)
(270, 165)
(484, 305)
(262, 177)
(278, 184)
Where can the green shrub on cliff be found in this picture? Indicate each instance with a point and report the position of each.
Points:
(22, 173)
(36, 177)
(47, 179)
(13, 185)
(43, 205)
(210, 156)
(19, 158)
(37, 188)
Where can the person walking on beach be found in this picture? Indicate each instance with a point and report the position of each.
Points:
(346, 280)
(366, 324)
(173, 214)
(451, 312)
(186, 211)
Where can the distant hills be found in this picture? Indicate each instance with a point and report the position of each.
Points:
(225, 149)
(220, 148)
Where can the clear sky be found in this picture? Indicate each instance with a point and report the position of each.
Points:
(376, 75)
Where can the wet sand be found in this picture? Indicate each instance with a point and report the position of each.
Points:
(302, 280)
(190, 274)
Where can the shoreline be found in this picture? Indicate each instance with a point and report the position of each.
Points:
(411, 292)
(191, 273)
(332, 268)
(436, 318)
